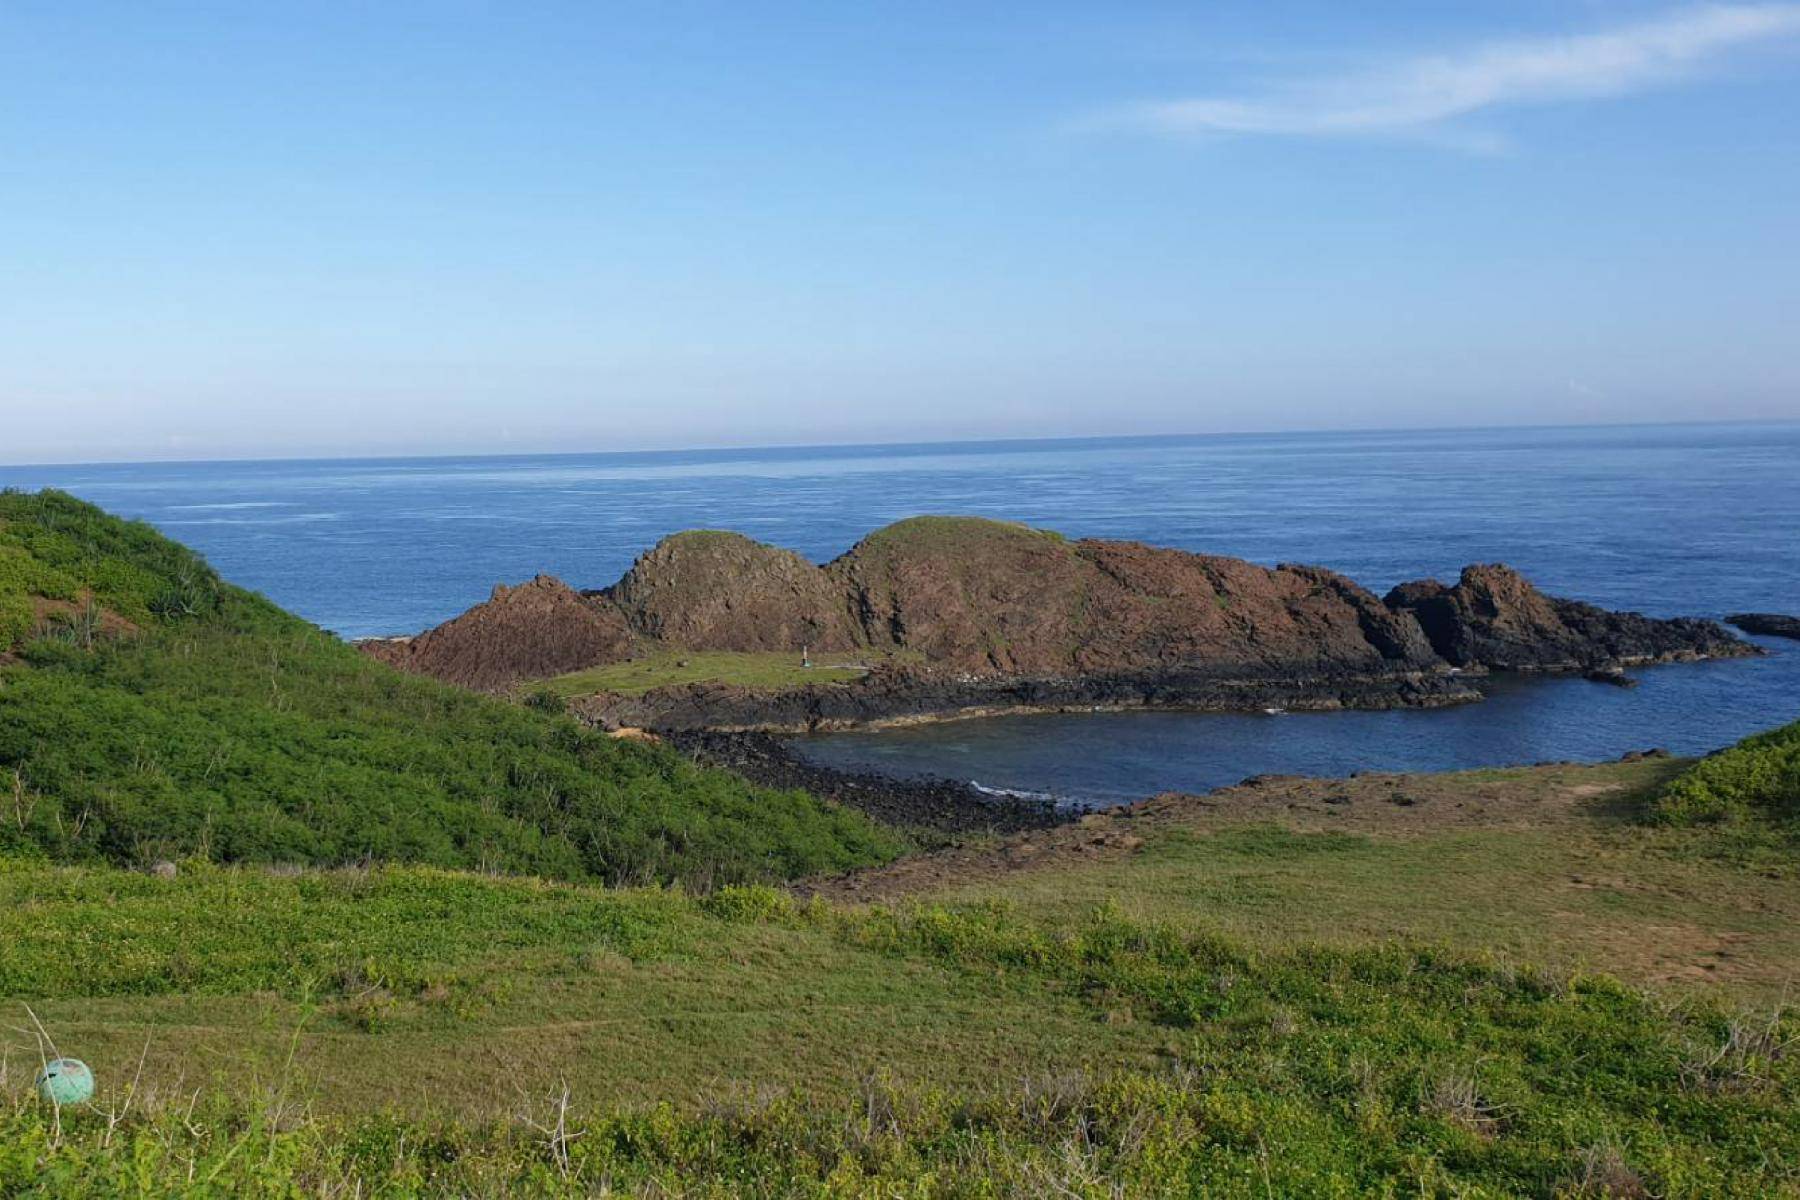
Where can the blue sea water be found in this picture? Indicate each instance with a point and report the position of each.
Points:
(1668, 520)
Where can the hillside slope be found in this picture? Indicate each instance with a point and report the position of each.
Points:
(150, 710)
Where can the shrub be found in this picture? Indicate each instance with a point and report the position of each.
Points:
(1757, 779)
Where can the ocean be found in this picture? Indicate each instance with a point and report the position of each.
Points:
(1668, 520)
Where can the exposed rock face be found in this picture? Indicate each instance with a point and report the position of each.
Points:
(1494, 618)
(706, 590)
(1005, 599)
(979, 595)
(532, 631)
(1767, 624)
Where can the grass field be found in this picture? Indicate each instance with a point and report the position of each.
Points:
(1554, 866)
(671, 668)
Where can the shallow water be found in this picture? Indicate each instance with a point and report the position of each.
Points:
(1670, 520)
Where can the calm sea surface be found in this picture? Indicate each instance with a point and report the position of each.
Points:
(1670, 520)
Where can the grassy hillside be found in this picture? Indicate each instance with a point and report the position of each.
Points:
(153, 711)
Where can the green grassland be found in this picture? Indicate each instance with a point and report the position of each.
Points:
(1756, 782)
(1252, 1008)
(671, 668)
(415, 1031)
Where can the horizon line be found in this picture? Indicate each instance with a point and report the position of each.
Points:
(750, 448)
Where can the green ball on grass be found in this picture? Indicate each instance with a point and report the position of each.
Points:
(65, 1081)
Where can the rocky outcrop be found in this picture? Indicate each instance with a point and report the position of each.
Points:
(991, 598)
(1767, 624)
(994, 616)
(532, 631)
(1494, 618)
(708, 590)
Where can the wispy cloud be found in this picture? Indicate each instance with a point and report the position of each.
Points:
(1420, 96)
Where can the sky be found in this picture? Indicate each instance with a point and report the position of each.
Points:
(258, 230)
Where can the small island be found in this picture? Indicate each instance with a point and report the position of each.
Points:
(941, 617)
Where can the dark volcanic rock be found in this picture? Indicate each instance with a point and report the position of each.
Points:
(944, 805)
(1611, 674)
(1767, 624)
(900, 697)
(1494, 618)
(532, 631)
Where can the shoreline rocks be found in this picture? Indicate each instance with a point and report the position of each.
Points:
(941, 805)
(899, 697)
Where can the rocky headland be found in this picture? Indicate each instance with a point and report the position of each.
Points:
(962, 616)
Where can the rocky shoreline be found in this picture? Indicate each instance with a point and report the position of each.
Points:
(941, 806)
(906, 697)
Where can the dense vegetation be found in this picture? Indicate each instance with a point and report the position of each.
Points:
(157, 712)
(1294, 1072)
(1757, 780)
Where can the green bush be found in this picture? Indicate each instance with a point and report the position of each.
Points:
(1756, 780)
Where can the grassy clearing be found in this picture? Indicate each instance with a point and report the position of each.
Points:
(1553, 866)
(671, 668)
(437, 993)
(934, 1050)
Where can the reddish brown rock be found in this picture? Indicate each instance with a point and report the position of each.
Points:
(532, 631)
(990, 597)
(708, 590)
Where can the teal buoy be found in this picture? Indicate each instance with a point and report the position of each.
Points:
(65, 1081)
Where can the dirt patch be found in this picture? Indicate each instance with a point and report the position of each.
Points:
(536, 630)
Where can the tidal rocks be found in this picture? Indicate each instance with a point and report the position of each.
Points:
(1493, 618)
(533, 631)
(943, 805)
(1767, 624)
(900, 697)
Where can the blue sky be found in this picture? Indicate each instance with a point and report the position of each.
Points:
(245, 230)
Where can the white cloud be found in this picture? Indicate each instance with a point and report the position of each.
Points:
(1419, 95)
